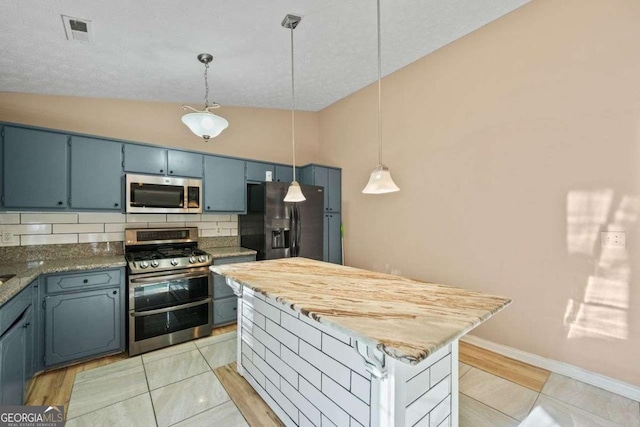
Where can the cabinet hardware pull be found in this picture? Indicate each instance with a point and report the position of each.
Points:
(161, 170)
(59, 203)
(115, 205)
(115, 292)
(171, 172)
(85, 281)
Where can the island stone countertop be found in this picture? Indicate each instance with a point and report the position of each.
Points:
(26, 272)
(406, 319)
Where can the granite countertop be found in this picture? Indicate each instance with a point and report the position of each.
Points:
(230, 251)
(406, 319)
(28, 271)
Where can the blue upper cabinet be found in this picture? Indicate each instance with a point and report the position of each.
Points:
(334, 193)
(144, 159)
(183, 163)
(35, 168)
(285, 173)
(96, 174)
(224, 185)
(330, 179)
(160, 161)
(257, 171)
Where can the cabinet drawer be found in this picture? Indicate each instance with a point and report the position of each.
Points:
(233, 260)
(225, 310)
(12, 309)
(69, 282)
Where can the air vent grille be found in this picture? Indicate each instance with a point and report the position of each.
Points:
(77, 29)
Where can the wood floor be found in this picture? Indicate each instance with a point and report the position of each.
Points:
(54, 387)
(518, 372)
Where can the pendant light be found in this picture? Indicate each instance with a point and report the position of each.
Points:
(380, 181)
(294, 194)
(203, 122)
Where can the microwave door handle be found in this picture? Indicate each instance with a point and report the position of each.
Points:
(169, 309)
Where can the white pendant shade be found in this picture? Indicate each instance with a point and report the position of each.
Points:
(294, 194)
(380, 182)
(205, 124)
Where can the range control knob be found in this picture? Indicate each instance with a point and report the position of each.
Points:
(192, 259)
(202, 258)
(174, 262)
(154, 263)
(144, 264)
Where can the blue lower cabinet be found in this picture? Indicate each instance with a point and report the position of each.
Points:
(17, 347)
(12, 365)
(83, 315)
(225, 302)
(82, 324)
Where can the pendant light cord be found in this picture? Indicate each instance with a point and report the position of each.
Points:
(379, 91)
(206, 85)
(293, 110)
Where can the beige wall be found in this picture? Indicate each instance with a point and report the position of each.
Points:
(254, 133)
(513, 147)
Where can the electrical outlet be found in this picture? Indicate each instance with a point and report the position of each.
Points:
(613, 239)
(268, 176)
(7, 237)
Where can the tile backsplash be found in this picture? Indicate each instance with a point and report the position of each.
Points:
(25, 229)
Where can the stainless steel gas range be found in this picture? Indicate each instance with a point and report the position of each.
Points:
(170, 287)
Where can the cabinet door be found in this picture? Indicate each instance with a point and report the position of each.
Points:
(285, 173)
(321, 178)
(12, 366)
(143, 159)
(29, 349)
(332, 239)
(35, 169)
(82, 324)
(225, 187)
(182, 163)
(225, 310)
(333, 190)
(256, 171)
(96, 174)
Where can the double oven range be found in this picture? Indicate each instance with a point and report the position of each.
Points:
(170, 288)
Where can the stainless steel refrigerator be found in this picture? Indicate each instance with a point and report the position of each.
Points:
(276, 229)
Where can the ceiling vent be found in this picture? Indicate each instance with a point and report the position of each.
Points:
(77, 29)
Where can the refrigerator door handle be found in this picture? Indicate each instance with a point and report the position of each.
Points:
(298, 229)
(293, 229)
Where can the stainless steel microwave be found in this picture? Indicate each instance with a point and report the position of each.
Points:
(163, 194)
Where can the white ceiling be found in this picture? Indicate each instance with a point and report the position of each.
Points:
(146, 49)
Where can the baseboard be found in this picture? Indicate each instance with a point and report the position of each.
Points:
(615, 386)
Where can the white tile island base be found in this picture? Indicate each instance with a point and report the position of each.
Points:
(312, 375)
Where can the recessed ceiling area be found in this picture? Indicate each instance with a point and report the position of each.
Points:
(146, 50)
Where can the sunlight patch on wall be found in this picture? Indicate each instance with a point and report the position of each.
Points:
(602, 311)
(587, 212)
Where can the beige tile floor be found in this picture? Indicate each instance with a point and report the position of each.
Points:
(487, 400)
(176, 386)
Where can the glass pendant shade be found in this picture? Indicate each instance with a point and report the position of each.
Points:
(205, 124)
(294, 194)
(380, 182)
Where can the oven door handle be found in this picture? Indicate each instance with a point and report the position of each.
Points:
(168, 309)
(163, 278)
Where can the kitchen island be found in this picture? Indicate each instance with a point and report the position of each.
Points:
(325, 344)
